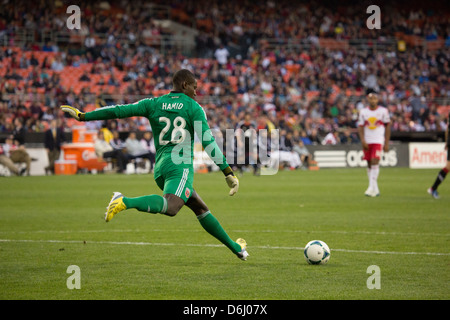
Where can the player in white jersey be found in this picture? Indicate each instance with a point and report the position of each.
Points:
(374, 130)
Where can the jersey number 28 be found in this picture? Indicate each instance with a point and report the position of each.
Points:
(178, 133)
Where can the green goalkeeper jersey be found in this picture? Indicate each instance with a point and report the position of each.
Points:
(174, 119)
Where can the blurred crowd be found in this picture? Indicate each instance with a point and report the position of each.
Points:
(312, 93)
(241, 21)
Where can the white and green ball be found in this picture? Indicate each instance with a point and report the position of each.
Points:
(317, 252)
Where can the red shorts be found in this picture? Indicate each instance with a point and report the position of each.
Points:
(374, 152)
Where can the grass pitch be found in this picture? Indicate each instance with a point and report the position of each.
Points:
(52, 222)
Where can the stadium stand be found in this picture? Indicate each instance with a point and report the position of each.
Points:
(302, 66)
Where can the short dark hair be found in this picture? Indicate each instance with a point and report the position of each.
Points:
(183, 75)
(370, 90)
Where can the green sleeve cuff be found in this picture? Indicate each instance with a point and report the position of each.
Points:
(227, 171)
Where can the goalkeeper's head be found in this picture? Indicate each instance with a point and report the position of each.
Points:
(184, 81)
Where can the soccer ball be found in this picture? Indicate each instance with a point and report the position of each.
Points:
(317, 252)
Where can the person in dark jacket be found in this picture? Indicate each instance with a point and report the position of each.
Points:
(54, 137)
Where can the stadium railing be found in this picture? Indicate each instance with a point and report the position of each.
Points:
(21, 37)
(385, 44)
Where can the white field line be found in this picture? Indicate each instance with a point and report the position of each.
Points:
(213, 245)
(383, 233)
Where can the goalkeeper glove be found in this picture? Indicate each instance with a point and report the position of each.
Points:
(73, 112)
(232, 180)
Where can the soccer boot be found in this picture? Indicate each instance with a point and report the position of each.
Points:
(115, 206)
(372, 193)
(243, 254)
(368, 192)
(376, 192)
(433, 193)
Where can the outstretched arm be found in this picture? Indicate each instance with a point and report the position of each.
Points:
(141, 108)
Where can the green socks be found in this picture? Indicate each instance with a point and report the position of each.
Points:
(157, 204)
(152, 204)
(213, 227)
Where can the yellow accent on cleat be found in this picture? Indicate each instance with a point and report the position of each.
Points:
(242, 243)
(115, 206)
(243, 254)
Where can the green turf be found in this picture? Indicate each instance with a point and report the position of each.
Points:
(49, 223)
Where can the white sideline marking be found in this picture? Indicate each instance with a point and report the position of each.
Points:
(214, 245)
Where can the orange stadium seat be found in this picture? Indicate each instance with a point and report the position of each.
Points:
(443, 110)
(311, 94)
(294, 68)
(96, 89)
(77, 87)
(89, 107)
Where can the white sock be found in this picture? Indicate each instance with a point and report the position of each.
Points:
(369, 175)
(374, 176)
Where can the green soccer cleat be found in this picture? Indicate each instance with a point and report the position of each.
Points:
(115, 206)
(243, 254)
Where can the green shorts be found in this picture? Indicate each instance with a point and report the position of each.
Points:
(177, 181)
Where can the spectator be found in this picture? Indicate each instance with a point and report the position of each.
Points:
(222, 54)
(18, 154)
(57, 64)
(116, 142)
(104, 150)
(287, 153)
(315, 137)
(84, 77)
(148, 143)
(54, 138)
(11, 154)
(19, 132)
(304, 138)
(107, 134)
(346, 136)
(304, 154)
(136, 150)
(7, 162)
(33, 61)
(331, 138)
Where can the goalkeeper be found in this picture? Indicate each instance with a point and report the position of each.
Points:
(174, 118)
